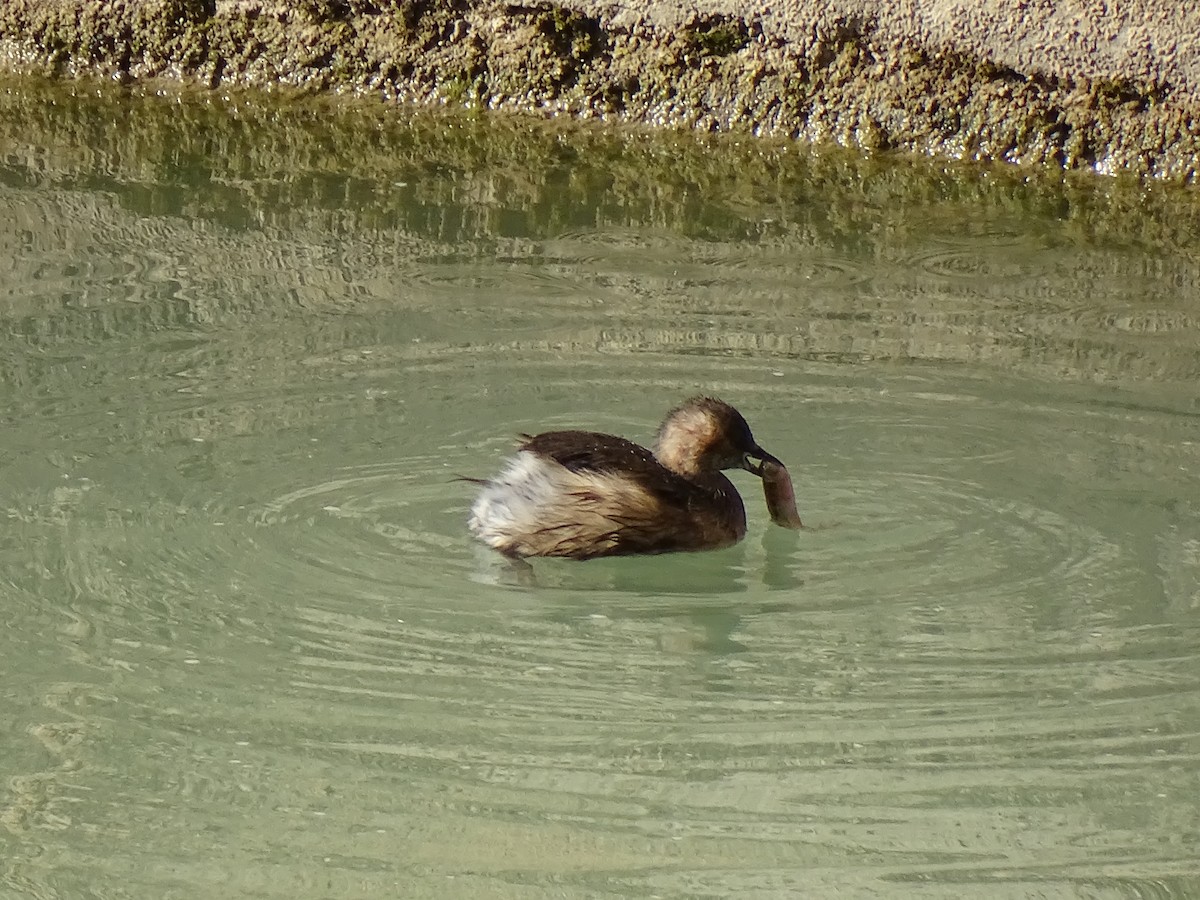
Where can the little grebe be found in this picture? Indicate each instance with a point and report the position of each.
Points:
(582, 495)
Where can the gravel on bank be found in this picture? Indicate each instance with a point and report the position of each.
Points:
(1107, 85)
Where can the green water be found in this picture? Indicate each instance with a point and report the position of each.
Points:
(247, 649)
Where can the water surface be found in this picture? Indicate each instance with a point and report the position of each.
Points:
(248, 648)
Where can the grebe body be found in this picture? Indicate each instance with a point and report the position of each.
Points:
(583, 494)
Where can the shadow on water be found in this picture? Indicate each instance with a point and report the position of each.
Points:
(246, 344)
(707, 592)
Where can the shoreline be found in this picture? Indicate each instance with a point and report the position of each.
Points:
(1104, 87)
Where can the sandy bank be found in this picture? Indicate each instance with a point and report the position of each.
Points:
(1100, 84)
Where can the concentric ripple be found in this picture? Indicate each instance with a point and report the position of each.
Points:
(252, 650)
(970, 638)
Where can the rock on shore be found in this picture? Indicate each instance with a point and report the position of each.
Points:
(1091, 84)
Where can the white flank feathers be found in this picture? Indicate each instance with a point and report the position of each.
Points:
(513, 503)
(535, 506)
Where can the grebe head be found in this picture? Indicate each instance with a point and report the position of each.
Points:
(705, 434)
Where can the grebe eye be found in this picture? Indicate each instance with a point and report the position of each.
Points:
(750, 466)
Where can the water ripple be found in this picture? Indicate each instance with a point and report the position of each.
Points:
(265, 589)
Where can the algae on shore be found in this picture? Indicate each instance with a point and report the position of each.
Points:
(817, 72)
